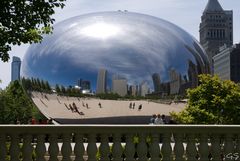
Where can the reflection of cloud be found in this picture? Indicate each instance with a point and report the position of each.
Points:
(145, 45)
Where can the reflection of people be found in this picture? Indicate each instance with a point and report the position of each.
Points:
(158, 119)
(50, 121)
(133, 105)
(33, 121)
(139, 107)
(152, 120)
(130, 105)
(164, 119)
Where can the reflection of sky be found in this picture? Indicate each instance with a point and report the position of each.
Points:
(129, 44)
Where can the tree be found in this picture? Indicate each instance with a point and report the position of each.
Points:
(16, 105)
(25, 21)
(212, 102)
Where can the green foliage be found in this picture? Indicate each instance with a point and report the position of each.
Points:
(25, 22)
(212, 102)
(16, 105)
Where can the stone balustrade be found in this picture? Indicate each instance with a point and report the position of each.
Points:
(119, 142)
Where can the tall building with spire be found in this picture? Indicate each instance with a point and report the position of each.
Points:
(16, 66)
(216, 29)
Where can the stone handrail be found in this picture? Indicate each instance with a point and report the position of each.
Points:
(119, 142)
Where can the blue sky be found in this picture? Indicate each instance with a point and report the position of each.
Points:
(184, 13)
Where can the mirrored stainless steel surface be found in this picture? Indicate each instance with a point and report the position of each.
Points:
(136, 47)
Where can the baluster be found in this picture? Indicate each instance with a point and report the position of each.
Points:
(178, 148)
(40, 149)
(237, 149)
(228, 145)
(66, 147)
(14, 148)
(3, 150)
(142, 148)
(27, 148)
(79, 148)
(117, 148)
(130, 148)
(215, 148)
(53, 148)
(154, 148)
(166, 147)
(104, 148)
(203, 147)
(92, 148)
(191, 147)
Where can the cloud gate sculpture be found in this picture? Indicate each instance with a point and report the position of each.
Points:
(112, 50)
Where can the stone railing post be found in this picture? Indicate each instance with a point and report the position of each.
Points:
(92, 148)
(3, 150)
(178, 148)
(129, 148)
(14, 148)
(79, 148)
(154, 148)
(142, 147)
(53, 148)
(40, 148)
(66, 147)
(166, 147)
(117, 147)
(215, 147)
(104, 148)
(203, 147)
(228, 146)
(191, 147)
(27, 147)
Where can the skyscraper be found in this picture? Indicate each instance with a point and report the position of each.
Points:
(101, 81)
(227, 63)
(16, 66)
(216, 29)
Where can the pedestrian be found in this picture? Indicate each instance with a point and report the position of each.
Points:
(133, 105)
(99, 104)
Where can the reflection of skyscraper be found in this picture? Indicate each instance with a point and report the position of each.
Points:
(119, 86)
(133, 90)
(84, 84)
(156, 82)
(16, 66)
(144, 89)
(175, 81)
(101, 81)
(192, 74)
(216, 28)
